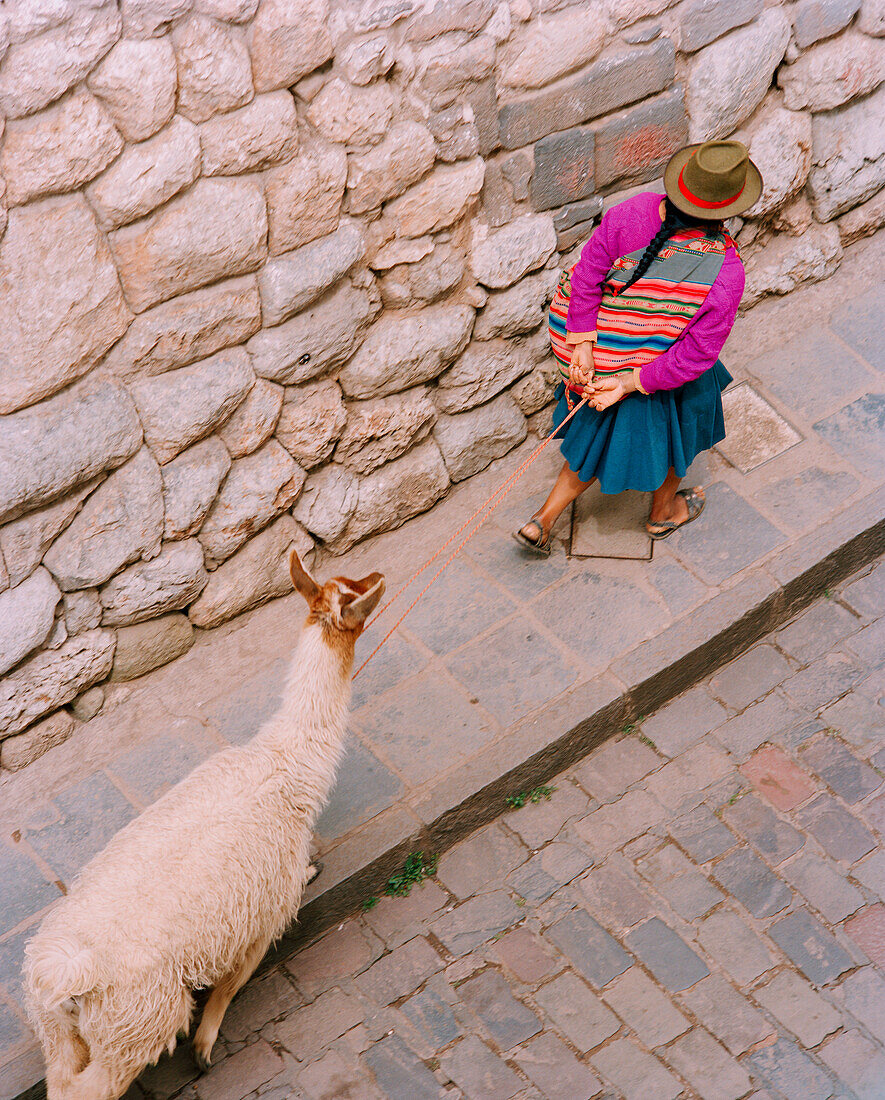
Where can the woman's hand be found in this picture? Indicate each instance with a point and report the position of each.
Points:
(606, 392)
(580, 372)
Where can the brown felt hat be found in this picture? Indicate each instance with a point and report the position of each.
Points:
(715, 179)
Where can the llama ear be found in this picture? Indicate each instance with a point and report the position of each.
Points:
(358, 610)
(303, 581)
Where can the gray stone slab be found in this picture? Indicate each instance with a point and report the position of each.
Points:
(792, 1072)
(811, 947)
(714, 1074)
(614, 897)
(610, 526)
(859, 323)
(12, 957)
(863, 994)
(393, 663)
(423, 726)
(641, 1004)
(872, 873)
(750, 677)
(702, 834)
(857, 432)
(755, 432)
(363, 788)
(399, 1071)
(747, 878)
(478, 1072)
(797, 502)
(476, 921)
(13, 1030)
(23, 888)
(840, 769)
(798, 1007)
(474, 865)
(729, 536)
(679, 588)
(523, 574)
(548, 870)
(684, 721)
(858, 1063)
(238, 714)
(150, 769)
(689, 893)
(763, 721)
(668, 957)
(816, 630)
(635, 1074)
(824, 680)
(550, 1065)
(866, 594)
(507, 1020)
(577, 1012)
(730, 1016)
(589, 948)
(839, 833)
(735, 946)
(513, 671)
(433, 1017)
(772, 837)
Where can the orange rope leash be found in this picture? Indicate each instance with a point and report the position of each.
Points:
(491, 504)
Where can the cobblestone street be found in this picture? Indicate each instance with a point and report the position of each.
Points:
(696, 911)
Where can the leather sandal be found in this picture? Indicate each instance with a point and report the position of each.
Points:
(695, 503)
(540, 545)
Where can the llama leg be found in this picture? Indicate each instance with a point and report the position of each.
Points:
(314, 870)
(219, 999)
(66, 1054)
(100, 1080)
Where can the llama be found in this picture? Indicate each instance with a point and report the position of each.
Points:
(191, 894)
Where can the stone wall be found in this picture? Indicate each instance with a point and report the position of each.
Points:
(273, 273)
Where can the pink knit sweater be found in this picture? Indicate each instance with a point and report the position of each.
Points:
(625, 228)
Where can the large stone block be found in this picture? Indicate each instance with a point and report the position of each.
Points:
(190, 485)
(317, 339)
(517, 310)
(617, 78)
(445, 16)
(404, 350)
(435, 203)
(563, 168)
(151, 18)
(136, 82)
(816, 19)
(365, 60)
(58, 150)
(312, 419)
(146, 646)
(190, 327)
(637, 143)
(254, 421)
(833, 72)
(500, 257)
(400, 160)
(703, 21)
(292, 281)
(53, 678)
(780, 146)
(380, 430)
(872, 17)
(471, 440)
(54, 244)
(550, 46)
(304, 196)
(327, 502)
(37, 71)
(728, 80)
(254, 575)
(24, 541)
(63, 442)
(448, 65)
(257, 488)
(214, 71)
(288, 40)
(167, 582)
(147, 175)
(182, 406)
(624, 12)
(788, 261)
(217, 229)
(424, 281)
(397, 491)
(860, 222)
(352, 115)
(482, 371)
(263, 133)
(120, 522)
(27, 614)
(849, 156)
(24, 748)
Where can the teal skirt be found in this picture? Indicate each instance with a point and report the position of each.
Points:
(634, 444)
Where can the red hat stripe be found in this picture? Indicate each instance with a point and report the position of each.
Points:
(703, 202)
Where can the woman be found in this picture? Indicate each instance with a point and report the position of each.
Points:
(649, 305)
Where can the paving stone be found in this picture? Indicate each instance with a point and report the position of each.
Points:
(577, 1012)
(13, 1030)
(872, 873)
(811, 947)
(858, 323)
(857, 1062)
(331, 1077)
(716, 552)
(513, 671)
(705, 1065)
(538, 822)
(771, 837)
(737, 949)
(474, 865)
(838, 832)
(858, 432)
(816, 630)
(264, 999)
(609, 770)
(635, 1074)
(23, 888)
(554, 866)
(678, 587)
(311, 1028)
(671, 960)
(364, 787)
(798, 1007)
(689, 893)
(863, 994)
(525, 955)
(869, 644)
(824, 680)
(824, 886)
(683, 781)
(614, 897)
(555, 1070)
(746, 877)
(241, 1073)
(702, 834)
(731, 1017)
(857, 718)
(640, 1004)
(756, 432)
(152, 768)
(797, 502)
(684, 721)
(612, 826)
(506, 1019)
(793, 736)
(778, 778)
(476, 921)
(867, 929)
(867, 594)
(763, 721)
(590, 949)
(398, 919)
(843, 773)
(400, 972)
(390, 666)
(340, 954)
(750, 676)
(238, 714)
(792, 1072)
(432, 1016)
(523, 575)
(399, 1072)
(480, 1074)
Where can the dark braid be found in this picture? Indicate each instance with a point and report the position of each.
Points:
(674, 219)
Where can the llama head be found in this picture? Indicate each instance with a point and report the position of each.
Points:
(340, 603)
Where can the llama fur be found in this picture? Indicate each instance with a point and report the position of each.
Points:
(191, 894)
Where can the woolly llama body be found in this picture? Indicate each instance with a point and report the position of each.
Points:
(192, 893)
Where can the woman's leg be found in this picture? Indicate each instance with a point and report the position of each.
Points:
(567, 487)
(666, 506)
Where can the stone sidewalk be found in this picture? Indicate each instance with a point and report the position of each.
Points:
(511, 667)
(696, 911)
